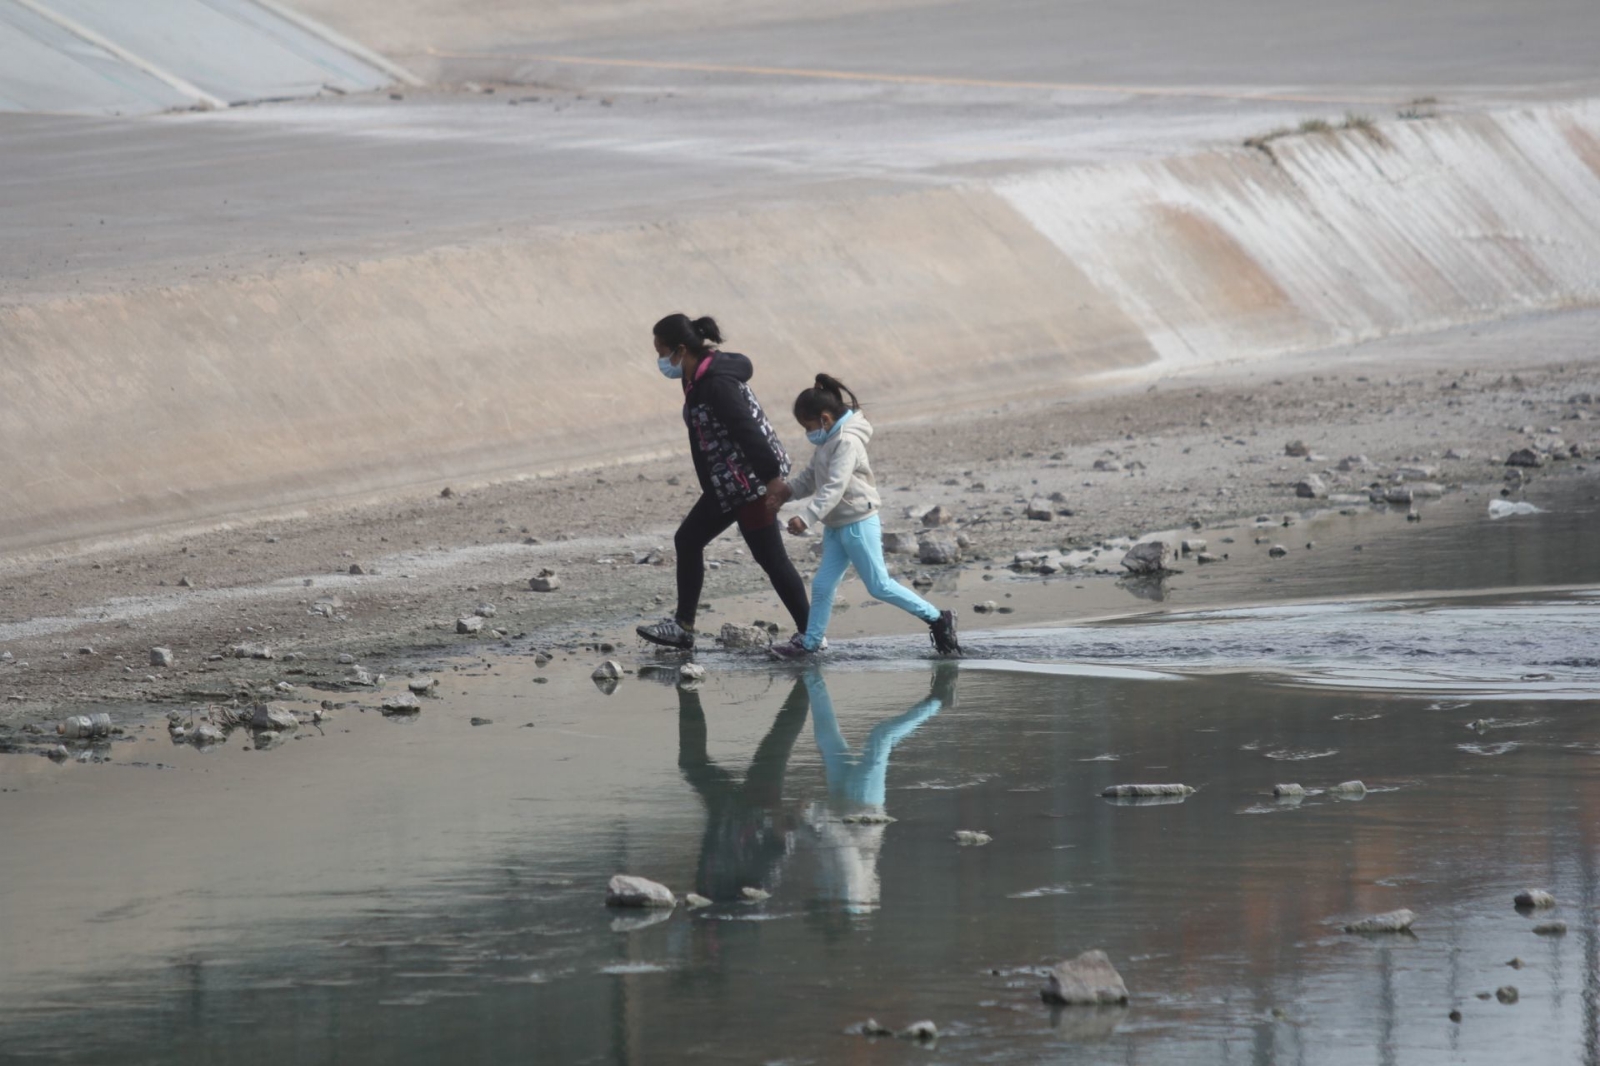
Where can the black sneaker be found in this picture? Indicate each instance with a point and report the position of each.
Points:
(943, 633)
(669, 633)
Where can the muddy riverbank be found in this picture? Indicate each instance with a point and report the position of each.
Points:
(382, 581)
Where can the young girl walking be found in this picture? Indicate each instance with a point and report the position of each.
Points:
(845, 502)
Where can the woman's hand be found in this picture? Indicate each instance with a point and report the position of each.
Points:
(778, 494)
(797, 526)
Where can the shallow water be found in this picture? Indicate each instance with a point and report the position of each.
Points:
(425, 891)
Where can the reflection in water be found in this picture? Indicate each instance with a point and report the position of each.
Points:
(749, 832)
(850, 826)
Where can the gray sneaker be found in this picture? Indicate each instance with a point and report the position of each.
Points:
(669, 633)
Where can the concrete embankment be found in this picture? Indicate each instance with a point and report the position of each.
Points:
(187, 405)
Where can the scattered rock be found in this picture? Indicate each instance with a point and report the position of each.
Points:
(482, 721)
(691, 672)
(986, 607)
(485, 610)
(1516, 964)
(1555, 928)
(695, 901)
(1534, 899)
(347, 659)
(1115, 791)
(1193, 546)
(251, 651)
(1086, 981)
(1203, 558)
(744, 637)
(1288, 790)
(1108, 465)
(1296, 449)
(267, 716)
(610, 670)
(1277, 551)
(161, 657)
(754, 895)
(899, 543)
(1507, 994)
(1454, 1016)
(356, 570)
(626, 891)
(1311, 487)
(877, 817)
(1392, 922)
(401, 703)
(923, 1031)
(422, 686)
(1353, 462)
(1458, 453)
(469, 625)
(938, 549)
(1040, 510)
(206, 733)
(1525, 457)
(545, 580)
(938, 515)
(971, 838)
(871, 1027)
(185, 583)
(1147, 558)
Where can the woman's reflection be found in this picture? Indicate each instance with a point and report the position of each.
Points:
(850, 825)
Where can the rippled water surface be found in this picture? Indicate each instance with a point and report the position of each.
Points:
(427, 891)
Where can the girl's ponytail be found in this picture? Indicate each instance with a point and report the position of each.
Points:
(826, 397)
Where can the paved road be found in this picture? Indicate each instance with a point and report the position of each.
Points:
(645, 126)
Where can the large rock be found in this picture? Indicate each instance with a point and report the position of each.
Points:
(1040, 510)
(544, 581)
(938, 515)
(401, 703)
(626, 891)
(938, 549)
(1534, 899)
(903, 543)
(1147, 558)
(1086, 981)
(471, 624)
(266, 716)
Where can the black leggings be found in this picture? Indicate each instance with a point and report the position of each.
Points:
(703, 524)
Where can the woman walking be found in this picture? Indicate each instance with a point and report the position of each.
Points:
(741, 466)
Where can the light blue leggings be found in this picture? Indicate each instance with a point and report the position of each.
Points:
(860, 544)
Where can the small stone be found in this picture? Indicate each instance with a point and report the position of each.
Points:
(1107, 465)
(1391, 922)
(695, 901)
(1555, 928)
(1147, 558)
(938, 515)
(422, 685)
(469, 625)
(872, 1027)
(1534, 899)
(755, 895)
(401, 703)
(267, 716)
(1458, 453)
(446, 492)
(691, 672)
(971, 838)
(482, 721)
(1086, 981)
(356, 570)
(938, 549)
(626, 891)
(1516, 964)
(1277, 551)
(1288, 790)
(1193, 546)
(1203, 558)
(1040, 510)
(899, 543)
(1507, 994)
(986, 607)
(744, 637)
(185, 583)
(1353, 462)
(485, 610)
(1311, 487)
(1296, 449)
(1455, 1016)
(1525, 457)
(1145, 791)
(545, 580)
(347, 659)
(610, 670)
(160, 656)
(206, 733)
(923, 1031)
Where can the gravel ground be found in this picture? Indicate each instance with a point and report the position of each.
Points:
(1193, 449)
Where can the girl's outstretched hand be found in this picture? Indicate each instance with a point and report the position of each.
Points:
(797, 526)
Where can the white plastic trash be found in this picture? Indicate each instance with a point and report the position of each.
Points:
(1505, 508)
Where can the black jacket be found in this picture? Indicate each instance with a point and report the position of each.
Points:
(735, 450)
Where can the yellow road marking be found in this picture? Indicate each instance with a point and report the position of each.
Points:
(914, 79)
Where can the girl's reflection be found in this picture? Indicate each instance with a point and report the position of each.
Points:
(850, 825)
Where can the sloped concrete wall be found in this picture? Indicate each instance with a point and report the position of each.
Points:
(190, 404)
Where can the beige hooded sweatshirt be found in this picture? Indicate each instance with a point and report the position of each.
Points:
(839, 478)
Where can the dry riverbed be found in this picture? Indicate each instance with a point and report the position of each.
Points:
(383, 583)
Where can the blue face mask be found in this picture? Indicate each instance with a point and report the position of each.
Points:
(667, 368)
(818, 436)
